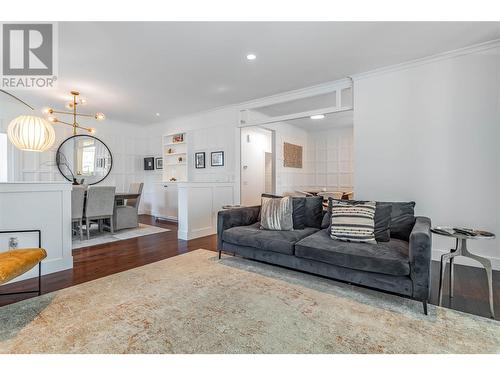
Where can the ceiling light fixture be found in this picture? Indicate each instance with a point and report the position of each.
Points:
(73, 105)
(317, 117)
(157, 114)
(251, 56)
(30, 133)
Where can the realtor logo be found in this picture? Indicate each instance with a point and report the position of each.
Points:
(28, 55)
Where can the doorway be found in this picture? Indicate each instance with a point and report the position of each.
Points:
(257, 164)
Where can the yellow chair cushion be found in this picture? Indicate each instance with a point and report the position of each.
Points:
(16, 262)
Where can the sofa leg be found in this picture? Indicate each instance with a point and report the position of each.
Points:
(220, 253)
(424, 302)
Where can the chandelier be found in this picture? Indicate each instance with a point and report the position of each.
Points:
(99, 116)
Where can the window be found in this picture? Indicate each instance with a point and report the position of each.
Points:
(88, 155)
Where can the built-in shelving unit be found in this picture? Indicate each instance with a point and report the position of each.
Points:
(175, 157)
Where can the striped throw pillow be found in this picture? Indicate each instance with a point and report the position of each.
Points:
(353, 223)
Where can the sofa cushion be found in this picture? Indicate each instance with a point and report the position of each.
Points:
(390, 258)
(277, 241)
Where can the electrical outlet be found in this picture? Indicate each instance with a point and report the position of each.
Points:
(13, 243)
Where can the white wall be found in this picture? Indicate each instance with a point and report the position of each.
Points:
(330, 159)
(3, 157)
(290, 179)
(43, 206)
(128, 143)
(255, 143)
(430, 133)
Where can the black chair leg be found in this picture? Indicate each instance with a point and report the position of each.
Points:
(39, 278)
(424, 302)
(220, 253)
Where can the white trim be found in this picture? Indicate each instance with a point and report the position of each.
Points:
(295, 116)
(157, 215)
(306, 92)
(481, 47)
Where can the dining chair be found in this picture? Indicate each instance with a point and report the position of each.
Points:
(331, 194)
(77, 201)
(127, 216)
(300, 193)
(99, 206)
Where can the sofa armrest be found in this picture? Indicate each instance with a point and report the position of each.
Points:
(420, 257)
(235, 217)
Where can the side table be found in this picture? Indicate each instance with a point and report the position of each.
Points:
(461, 250)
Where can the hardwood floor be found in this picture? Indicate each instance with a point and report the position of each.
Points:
(89, 263)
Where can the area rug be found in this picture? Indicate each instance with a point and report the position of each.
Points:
(194, 303)
(97, 238)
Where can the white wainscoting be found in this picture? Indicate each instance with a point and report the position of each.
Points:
(45, 206)
(199, 204)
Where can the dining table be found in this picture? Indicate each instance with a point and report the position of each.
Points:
(120, 197)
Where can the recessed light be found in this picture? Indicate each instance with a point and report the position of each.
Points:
(317, 117)
(157, 114)
(251, 56)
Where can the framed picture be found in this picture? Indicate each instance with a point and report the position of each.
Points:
(217, 159)
(199, 160)
(159, 163)
(149, 164)
(178, 138)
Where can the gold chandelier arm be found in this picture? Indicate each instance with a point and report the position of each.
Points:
(62, 122)
(90, 130)
(71, 113)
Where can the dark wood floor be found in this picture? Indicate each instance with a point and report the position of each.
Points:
(89, 263)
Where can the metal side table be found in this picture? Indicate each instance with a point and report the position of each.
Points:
(461, 250)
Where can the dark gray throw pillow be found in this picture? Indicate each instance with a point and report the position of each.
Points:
(325, 223)
(383, 222)
(402, 219)
(313, 212)
(382, 217)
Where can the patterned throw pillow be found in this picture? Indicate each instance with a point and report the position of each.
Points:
(353, 223)
(276, 213)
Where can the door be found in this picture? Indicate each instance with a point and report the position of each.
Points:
(257, 164)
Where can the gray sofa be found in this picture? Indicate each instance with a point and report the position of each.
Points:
(400, 266)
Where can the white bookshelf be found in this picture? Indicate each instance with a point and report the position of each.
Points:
(175, 158)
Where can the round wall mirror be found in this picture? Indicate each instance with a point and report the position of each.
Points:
(84, 159)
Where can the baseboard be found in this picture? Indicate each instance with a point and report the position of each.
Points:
(150, 213)
(495, 262)
(189, 235)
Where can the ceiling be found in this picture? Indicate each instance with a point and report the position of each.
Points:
(331, 120)
(133, 70)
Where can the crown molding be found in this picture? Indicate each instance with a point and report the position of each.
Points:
(306, 92)
(476, 48)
